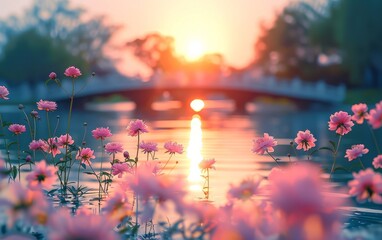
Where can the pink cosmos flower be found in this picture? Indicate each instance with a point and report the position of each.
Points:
(207, 164)
(4, 92)
(43, 176)
(375, 117)
(264, 144)
(24, 204)
(173, 147)
(101, 133)
(120, 168)
(360, 112)
(72, 72)
(377, 161)
(113, 147)
(356, 151)
(85, 155)
(64, 140)
(117, 206)
(48, 106)
(137, 126)
(305, 140)
(366, 184)
(245, 189)
(300, 195)
(17, 128)
(38, 145)
(340, 122)
(148, 147)
(52, 75)
(52, 147)
(63, 226)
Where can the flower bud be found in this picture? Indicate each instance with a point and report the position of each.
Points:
(52, 75)
(126, 154)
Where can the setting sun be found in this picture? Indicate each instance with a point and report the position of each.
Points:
(197, 105)
(194, 49)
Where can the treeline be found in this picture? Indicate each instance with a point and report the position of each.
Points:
(339, 41)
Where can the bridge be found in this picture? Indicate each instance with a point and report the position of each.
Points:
(241, 89)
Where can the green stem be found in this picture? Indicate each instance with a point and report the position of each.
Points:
(18, 156)
(361, 164)
(100, 170)
(95, 174)
(29, 124)
(273, 158)
(335, 156)
(48, 122)
(78, 175)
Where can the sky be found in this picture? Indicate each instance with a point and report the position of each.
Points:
(229, 27)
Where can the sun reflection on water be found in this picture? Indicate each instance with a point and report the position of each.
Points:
(194, 153)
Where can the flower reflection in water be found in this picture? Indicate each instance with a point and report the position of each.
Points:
(194, 153)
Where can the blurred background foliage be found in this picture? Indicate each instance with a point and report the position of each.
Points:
(335, 40)
(50, 36)
(338, 41)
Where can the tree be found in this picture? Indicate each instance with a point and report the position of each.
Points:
(51, 35)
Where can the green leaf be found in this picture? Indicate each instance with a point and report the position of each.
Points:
(326, 148)
(106, 174)
(83, 165)
(341, 168)
(89, 173)
(107, 181)
(333, 144)
(10, 144)
(14, 172)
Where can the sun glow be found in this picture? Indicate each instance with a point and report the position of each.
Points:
(195, 49)
(197, 105)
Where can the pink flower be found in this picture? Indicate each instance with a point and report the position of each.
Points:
(377, 161)
(43, 176)
(52, 147)
(113, 147)
(305, 140)
(207, 164)
(52, 75)
(137, 126)
(117, 206)
(375, 118)
(264, 144)
(26, 205)
(38, 145)
(300, 195)
(85, 155)
(65, 140)
(173, 147)
(356, 151)
(72, 72)
(48, 106)
(17, 128)
(367, 184)
(340, 122)
(120, 168)
(360, 112)
(245, 189)
(148, 147)
(101, 133)
(63, 226)
(4, 92)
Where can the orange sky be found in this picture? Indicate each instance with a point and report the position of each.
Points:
(229, 27)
